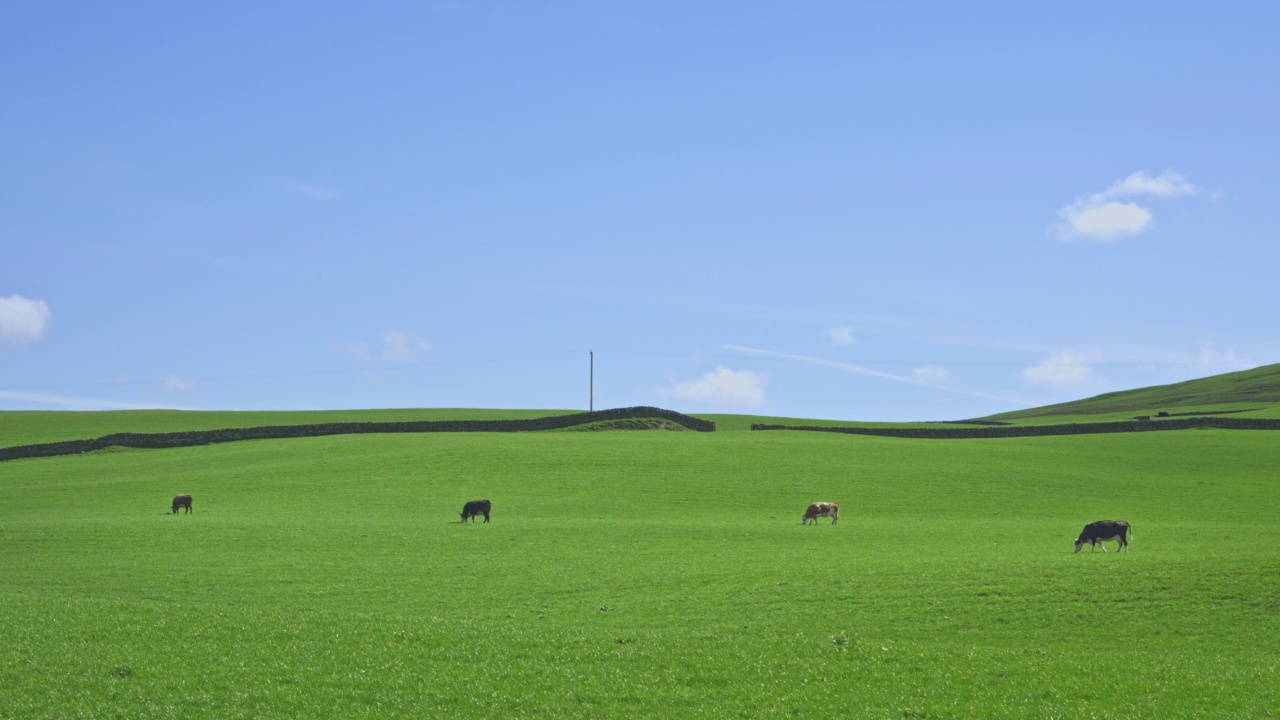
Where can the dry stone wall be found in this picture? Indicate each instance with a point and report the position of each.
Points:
(1011, 431)
(276, 432)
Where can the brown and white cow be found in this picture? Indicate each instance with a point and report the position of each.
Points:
(821, 509)
(1096, 532)
(181, 501)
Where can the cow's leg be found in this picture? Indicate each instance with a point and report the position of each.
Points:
(486, 517)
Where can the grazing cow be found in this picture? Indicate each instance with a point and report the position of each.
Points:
(181, 501)
(474, 508)
(1096, 532)
(821, 509)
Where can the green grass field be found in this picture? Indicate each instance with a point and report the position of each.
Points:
(644, 574)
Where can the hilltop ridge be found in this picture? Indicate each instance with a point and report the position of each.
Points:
(1259, 385)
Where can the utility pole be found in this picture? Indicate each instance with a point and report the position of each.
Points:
(591, 402)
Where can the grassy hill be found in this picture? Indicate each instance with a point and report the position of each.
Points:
(1239, 390)
(642, 574)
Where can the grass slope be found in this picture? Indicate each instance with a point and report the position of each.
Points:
(645, 574)
(1242, 390)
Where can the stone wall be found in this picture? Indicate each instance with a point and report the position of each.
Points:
(1010, 431)
(276, 432)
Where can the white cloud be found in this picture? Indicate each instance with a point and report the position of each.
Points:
(1064, 370)
(311, 190)
(1107, 222)
(851, 368)
(178, 384)
(841, 336)
(398, 348)
(25, 399)
(722, 387)
(934, 375)
(22, 320)
(1102, 217)
(403, 347)
(1223, 360)
(1166, 184)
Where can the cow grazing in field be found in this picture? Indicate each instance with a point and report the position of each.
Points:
(1096, 532)
(821, 509)
(474, 508)
(181, 501)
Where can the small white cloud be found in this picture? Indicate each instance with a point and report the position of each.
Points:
(722, 387)
(1212, 357)
(23, 400)
(1065, 370)
(1166, 184)
(311, 190)
(403, 347)
(934, 375)
(1101, 217)
(841, 336)
(1107, 222)
(178, 384)
(23, 321)
(398, 348)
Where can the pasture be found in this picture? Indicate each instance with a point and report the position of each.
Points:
(644, 574)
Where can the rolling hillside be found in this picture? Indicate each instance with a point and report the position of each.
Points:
(1259, 385)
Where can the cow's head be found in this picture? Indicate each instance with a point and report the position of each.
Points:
(1080, 543)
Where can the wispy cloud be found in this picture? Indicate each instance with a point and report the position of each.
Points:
(721, 387)
(1063, 370)
(1113, 214)
(23, 321)
(77, 403)
(311, 190)
(1223, 360)
(926, 376)
(932, 375)
(841, 336)
(398, 348)
(177, 384)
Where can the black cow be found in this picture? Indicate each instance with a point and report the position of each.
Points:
(1096, 532)
(474, 508)
(181, 501)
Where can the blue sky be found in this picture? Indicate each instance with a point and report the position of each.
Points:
(889, 211)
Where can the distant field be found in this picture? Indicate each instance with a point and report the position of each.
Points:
(1230, 410)
(29, 427)
(1241, 389)
(643, 574)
